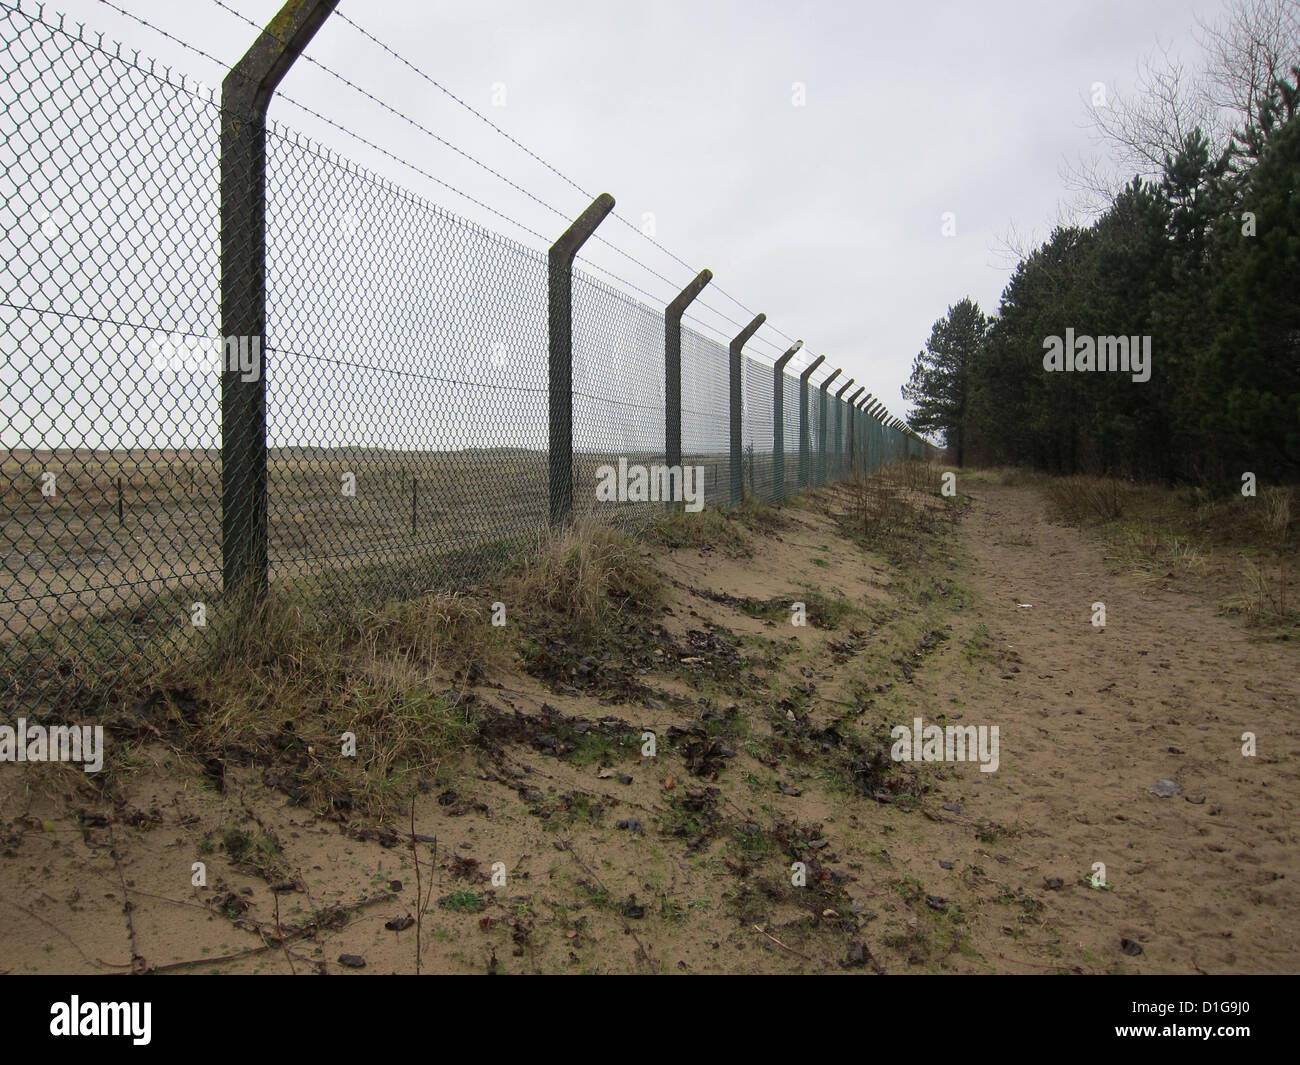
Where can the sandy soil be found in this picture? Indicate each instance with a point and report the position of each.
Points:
(936, 868)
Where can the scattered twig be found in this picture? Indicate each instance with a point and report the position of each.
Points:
(763, 931)
(568, 846)
(55, 928)
(419, 894)
(137, 961)
(279, 931)
(300, 932)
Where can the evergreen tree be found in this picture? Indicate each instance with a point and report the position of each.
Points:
(1203, 261)
(938, 384)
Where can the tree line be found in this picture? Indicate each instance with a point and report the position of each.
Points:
(1196, 260)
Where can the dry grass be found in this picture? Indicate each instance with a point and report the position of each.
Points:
(1245, 541)
(587, 575)
(1155, 550)
(1087, 499)
(269, 678)
(1267, 598)
(393, 676)
(726, 530)
(899, 510)
(1008, 476)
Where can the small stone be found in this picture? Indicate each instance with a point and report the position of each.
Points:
(857, 956)
(352, 961)
(629, 824)
(937, 902)
(1054, 883)
(1130, 947)
(1166, 788)
(945, 865)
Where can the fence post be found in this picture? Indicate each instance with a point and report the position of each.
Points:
(246, 93)
(738, 342)
(854, 417)
(839, 429)
(873, 434)
(805, 442)
(560, 330)
(864, 434)
(870, 424)
(778, 420)
(673, 374)
(855, 431)
(868, 433)
(822, 443)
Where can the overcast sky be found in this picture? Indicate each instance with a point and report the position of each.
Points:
(826, 216)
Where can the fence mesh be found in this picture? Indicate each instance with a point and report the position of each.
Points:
(110, 249)
(706, 419)
(406, 377)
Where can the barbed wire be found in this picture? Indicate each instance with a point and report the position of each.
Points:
(342, 16)
(446, 143)
(656, 300)
(599, 238)
(544, 240)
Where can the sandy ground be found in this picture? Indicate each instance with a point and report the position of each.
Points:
(943, 868)
(1205, 881)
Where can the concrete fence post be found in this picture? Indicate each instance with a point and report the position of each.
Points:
(737, 344)
(778, 420)
(805, 440)
(673, 371)
(560, 335)
(246, 93)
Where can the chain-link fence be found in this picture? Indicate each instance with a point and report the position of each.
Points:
(396, 439)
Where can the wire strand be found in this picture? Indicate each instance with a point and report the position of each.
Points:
(655, 299)
(342, 16)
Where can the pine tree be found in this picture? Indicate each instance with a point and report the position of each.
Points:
(938, 385)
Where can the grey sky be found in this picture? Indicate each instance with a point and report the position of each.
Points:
(827, 216)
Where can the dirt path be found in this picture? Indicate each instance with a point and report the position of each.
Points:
(553, 843)
(1204, 881)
